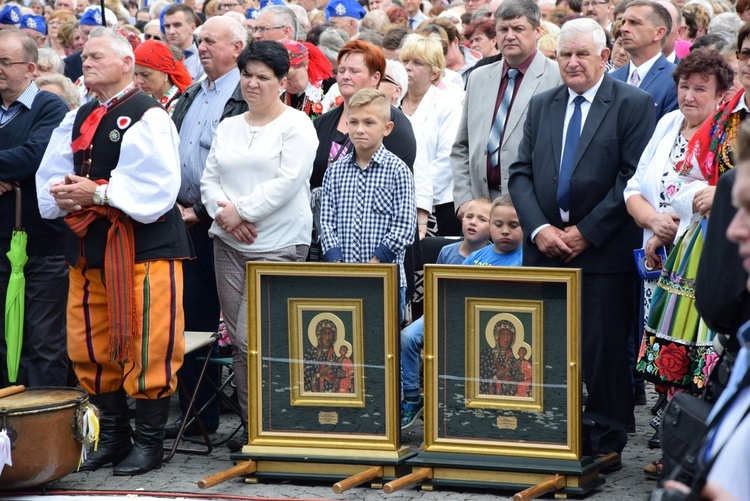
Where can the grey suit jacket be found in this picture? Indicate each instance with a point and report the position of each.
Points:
(469, 153)
(618, 127)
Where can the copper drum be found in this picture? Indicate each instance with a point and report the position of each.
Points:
(43, 425)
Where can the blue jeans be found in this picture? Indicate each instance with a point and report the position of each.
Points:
(412, 340)
(401, 304)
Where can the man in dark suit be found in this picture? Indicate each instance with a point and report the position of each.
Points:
(568, 195)
(645, 27)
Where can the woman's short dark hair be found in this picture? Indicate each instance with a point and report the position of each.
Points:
(272, 54)
(743, 35)
(711, 40)
(706, 62)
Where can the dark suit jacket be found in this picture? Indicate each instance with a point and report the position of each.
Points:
(73, 66)
(720, 287)
(619, 124)
(658, 82)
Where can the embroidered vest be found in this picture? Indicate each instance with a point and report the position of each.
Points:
(166, 238)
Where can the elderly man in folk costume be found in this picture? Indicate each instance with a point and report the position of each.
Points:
(112, 171)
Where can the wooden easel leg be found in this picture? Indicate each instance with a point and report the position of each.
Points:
(359, 478)
(416, 476)
(243, 468)
(551, 484)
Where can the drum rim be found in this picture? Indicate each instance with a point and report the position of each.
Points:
(35, 409)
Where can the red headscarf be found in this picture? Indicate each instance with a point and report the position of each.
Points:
(156, 55)
(318, 65)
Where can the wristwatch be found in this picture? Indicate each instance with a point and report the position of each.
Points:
(100, 195)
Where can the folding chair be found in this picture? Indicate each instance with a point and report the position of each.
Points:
(224, 363)
(193, 341)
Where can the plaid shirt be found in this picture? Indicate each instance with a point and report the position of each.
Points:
(368, 212)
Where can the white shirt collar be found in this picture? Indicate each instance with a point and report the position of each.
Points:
(588, 95)
(642, 69)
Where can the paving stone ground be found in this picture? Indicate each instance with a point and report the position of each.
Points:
(182, 473)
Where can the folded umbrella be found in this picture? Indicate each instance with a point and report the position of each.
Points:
(15, 296)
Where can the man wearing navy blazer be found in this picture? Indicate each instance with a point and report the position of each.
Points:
(581, 144)
(644, 30)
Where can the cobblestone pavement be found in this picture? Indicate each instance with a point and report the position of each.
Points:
(181, 474)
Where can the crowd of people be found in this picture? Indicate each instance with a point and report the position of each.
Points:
(158, 149)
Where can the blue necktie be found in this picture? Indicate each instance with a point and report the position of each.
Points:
(187, 53)
(493, 143)
(569, 155)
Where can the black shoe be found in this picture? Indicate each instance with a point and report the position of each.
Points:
(630, 427)
(236, 443)
(612, 466)
(659, 403)
(655, 441)
(640, 396)
(114, 431)
(148, 450)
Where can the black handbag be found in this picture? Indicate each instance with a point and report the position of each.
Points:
(683, 428)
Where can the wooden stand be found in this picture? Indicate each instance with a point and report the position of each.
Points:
(529, 477)
(348, 468)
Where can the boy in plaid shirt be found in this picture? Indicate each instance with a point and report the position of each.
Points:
(368, 208)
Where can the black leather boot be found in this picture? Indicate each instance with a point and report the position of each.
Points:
(148, 449)
(114, 431)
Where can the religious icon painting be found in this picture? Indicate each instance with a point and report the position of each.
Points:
(325, 337)
(502, 361)
(323, 373)
(504, 357)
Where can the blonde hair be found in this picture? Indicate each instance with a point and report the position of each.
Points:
(502, 201)
(547, 43)
(425, 49)
(372, 97)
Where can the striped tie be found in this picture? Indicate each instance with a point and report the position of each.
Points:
(493, 143)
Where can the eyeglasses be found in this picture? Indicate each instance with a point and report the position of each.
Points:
(263, 29)
(389, 79)
(227, 6)
(6, 64)
(149, 37)
(743, 55)
(593, 4)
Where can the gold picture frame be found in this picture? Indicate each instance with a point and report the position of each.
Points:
(326, 375)
(460, 302)
(510, 378)
(283, 298)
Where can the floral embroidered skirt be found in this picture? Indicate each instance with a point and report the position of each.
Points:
(677, 345)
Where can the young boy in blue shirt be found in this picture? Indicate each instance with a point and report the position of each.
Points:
(368, 204)
(506, 233)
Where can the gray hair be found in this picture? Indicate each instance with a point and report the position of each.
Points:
(50, 61)
(283, 16)
(300, 15)
(70, 93)
(331, 41)
(118, 43)
(581, 26)
(398, 72)
(513, 9)
(155, 9)
(727, 24)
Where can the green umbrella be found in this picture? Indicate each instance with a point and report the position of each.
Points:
(14, 298)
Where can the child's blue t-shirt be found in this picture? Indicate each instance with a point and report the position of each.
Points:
(450, 255)
(489, 257)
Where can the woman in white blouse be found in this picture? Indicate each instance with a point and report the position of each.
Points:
(435, 115)
(255, 186)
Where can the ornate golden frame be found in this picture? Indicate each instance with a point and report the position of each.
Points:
(316, 440)
(571, 281)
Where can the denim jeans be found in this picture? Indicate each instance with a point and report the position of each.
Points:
(412, 340)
